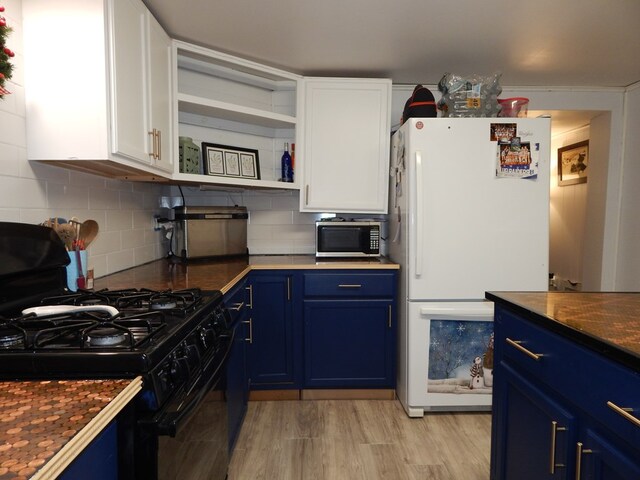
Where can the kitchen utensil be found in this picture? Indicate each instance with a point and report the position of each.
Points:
(67, 234)
(81, 280)
(61, 309)
(88, 231)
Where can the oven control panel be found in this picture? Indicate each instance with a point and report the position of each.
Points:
(183, 366)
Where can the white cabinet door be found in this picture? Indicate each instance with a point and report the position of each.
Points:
(97, 117)
(346, 145)
(160, 93)
(130, 117)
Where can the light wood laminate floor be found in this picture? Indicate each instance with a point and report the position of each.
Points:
(359, 440)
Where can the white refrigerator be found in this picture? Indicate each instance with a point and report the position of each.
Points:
(469, 213)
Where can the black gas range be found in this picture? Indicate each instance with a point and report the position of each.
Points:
(168, 337)
(176, 340)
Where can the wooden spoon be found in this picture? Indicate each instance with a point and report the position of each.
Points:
(88, 232)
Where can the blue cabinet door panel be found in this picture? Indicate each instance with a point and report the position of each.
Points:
(99, 461)
(271, 351)
(348, 343)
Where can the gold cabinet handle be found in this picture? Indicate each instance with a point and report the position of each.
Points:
(624, 412)
(306, 195)
(552, 454)
(346, 285)
(389, 316)
(250, 322)
(288, 289)
(579, 452)
(529, 353)
(159, 148)
(250, 288)
(153, 143)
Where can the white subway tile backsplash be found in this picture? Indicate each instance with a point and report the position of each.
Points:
(119, 220)
(12, 128)
(106, 242)
(271, 217)
(98, 263)
(145, 254)
(101, 199)
(23, 193)
(9, 160)
(259, 232)
(43, 171)
(132, 239)
(67, 197)
(285, 202)
(132, 200)
(120, 261)
(87, 180)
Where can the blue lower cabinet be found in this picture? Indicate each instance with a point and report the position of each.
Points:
(551, 407)
(237, 391)
(275, 341)
(349, 343)
(237, 301)
(99, 461)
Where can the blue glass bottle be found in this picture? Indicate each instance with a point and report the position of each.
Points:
(287, 171)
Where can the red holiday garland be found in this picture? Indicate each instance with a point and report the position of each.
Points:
(6, 68)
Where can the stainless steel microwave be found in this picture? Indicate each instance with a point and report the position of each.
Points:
(347, 239)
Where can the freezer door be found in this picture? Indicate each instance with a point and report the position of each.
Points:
(450, 346)
(471, 231)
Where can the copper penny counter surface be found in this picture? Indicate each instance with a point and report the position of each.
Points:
(222, 274)
(45, 425)
(608, 323)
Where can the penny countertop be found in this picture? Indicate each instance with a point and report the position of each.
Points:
(221, 274)
(45, 425)
(608, 323)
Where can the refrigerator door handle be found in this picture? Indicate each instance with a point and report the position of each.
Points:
(419, 223)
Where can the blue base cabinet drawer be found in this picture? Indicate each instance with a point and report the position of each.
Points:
(349, 284)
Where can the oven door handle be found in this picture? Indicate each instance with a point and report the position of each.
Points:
(169, 420)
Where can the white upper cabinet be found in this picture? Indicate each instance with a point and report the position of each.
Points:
(346, 145)
(98, 97)
(224, 100)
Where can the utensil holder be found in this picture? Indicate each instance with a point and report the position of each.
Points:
(72, 269)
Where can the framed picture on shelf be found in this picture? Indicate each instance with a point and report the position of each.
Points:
(573, 163)
(229, 161)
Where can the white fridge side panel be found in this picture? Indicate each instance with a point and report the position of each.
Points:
(469, 231)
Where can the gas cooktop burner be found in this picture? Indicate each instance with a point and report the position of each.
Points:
(107, 336)
(176, 302)
(11, 337)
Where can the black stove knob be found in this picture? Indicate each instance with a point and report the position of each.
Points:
(179, 370)
(207, 337)
(192, 355)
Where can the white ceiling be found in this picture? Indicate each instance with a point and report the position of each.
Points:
(533, 43)
(589, 43)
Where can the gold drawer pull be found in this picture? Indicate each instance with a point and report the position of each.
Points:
(625, 412)
(579, 452)
(529, 353)
(250, 288)
(250, 322)
(552, 454)
(346, 285)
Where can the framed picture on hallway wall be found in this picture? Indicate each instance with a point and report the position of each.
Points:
(573, 164)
